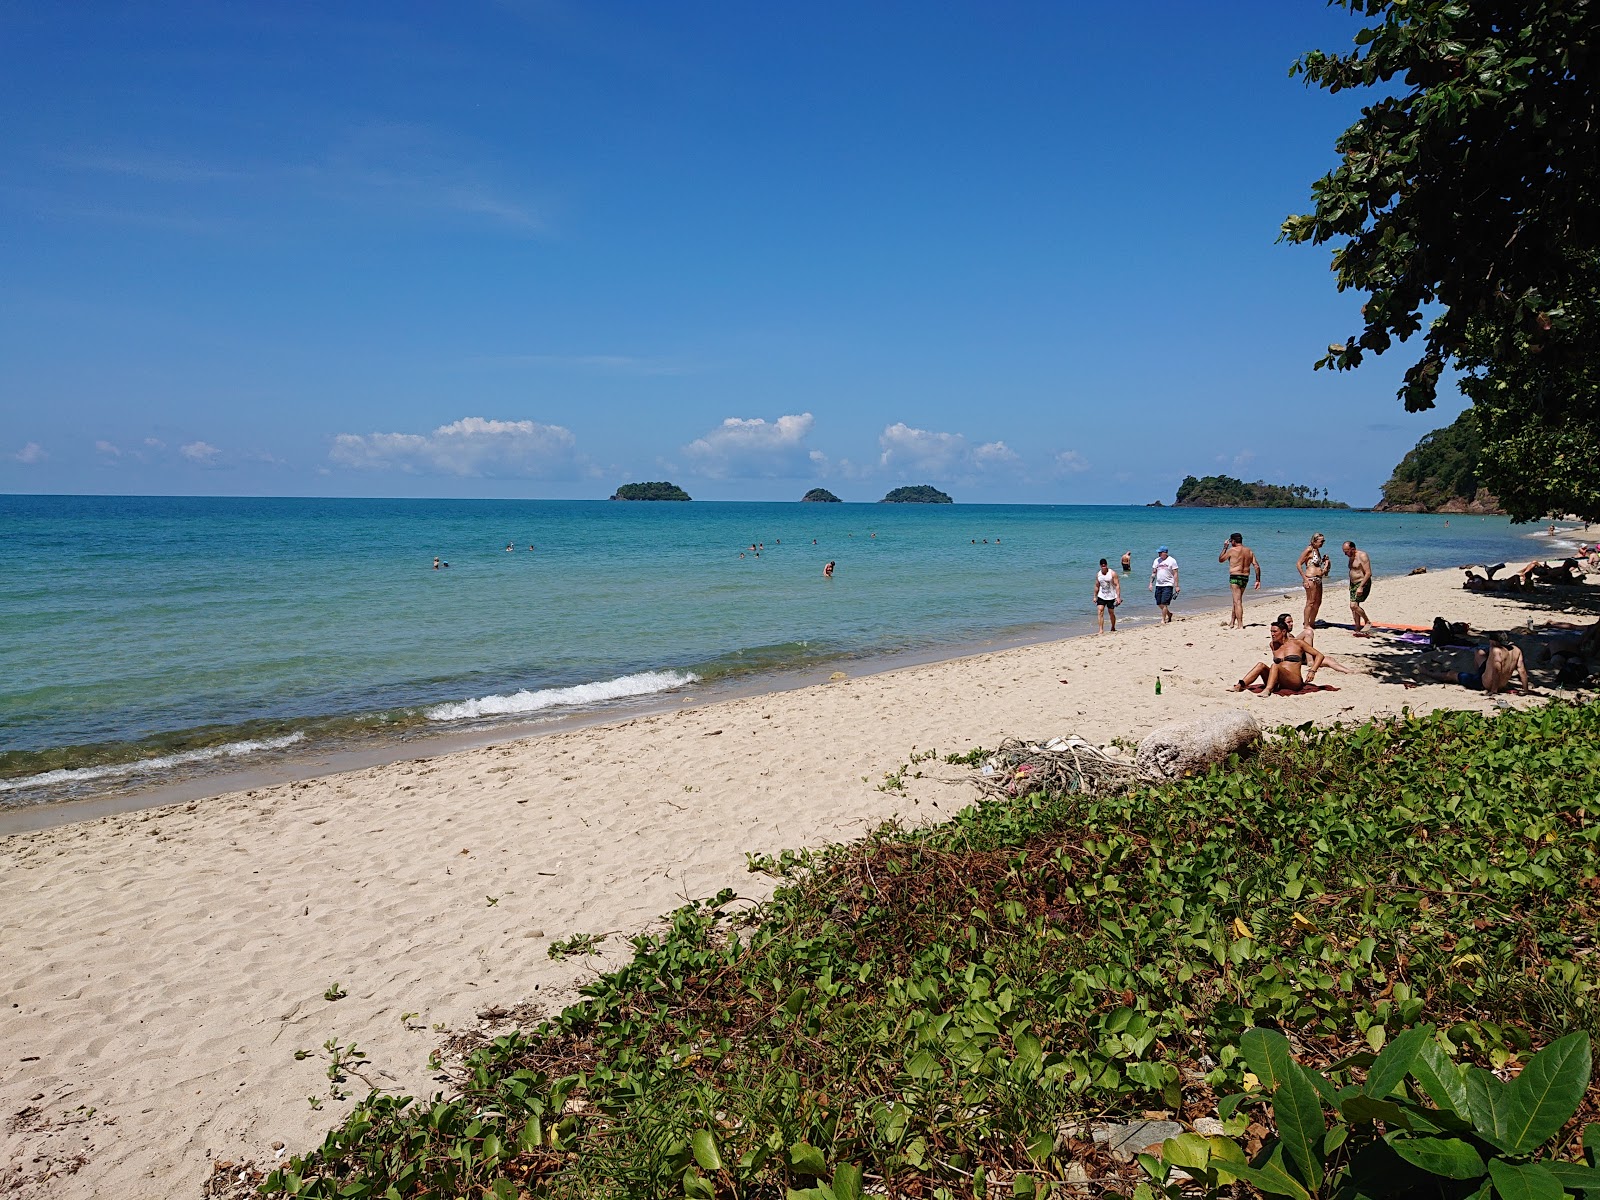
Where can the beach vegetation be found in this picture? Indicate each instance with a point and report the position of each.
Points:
(921, 493)
(660, 490)
(820, 495)
(1224, 491)
(334, 992)
(1439, 473)
(1353, 946)
(1463, 207)
(579, 944)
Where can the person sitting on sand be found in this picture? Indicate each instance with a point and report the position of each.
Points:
(1284, 673)
(1493, 667)
(1287, 621)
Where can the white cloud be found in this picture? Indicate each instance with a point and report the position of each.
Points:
(744, 447)
(155, 443)
(202, 453)
(106, 447)
(1070, 462)
(470, 446)
(906, 451)
(31, 453)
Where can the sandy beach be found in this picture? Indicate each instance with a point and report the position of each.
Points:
(162, 967)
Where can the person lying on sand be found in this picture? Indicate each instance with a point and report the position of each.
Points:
(1284, 672)
(1287, 621)
(1493, 668)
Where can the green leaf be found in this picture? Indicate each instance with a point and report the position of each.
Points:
(1575, 1177)
(705, 1150)
(1191, 1151)
(1269, 1178)
(1591, 1144)
(807, 1159)
(1394, 1064)
(846, 1182)
(1041, 1146)
(1441, 1078)
(1521, 1115)
(1361, 1109)
(1524, 1181)
(1296, 1106)
(1450, 1157)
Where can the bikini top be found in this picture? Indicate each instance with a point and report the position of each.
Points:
(1290, 658)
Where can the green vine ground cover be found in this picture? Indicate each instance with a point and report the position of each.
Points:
(936, 1012)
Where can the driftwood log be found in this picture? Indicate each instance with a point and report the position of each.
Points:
(1175, 750)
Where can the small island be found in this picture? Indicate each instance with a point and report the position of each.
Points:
(921, 493)
(650, 491)
(1440, 474)
(820, 496)
(1224, 491)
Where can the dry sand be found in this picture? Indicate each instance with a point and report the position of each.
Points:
(162, 967)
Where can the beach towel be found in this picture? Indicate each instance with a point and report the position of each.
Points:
(1305, 689)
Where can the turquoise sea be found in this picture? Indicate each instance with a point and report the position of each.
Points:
(145, 636)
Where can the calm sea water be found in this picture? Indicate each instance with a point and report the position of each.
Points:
(148, 635)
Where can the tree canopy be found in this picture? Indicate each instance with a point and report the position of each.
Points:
(1224, 491)
(660, 490)
(1471, 189)
(921, 493)
(1439, 470)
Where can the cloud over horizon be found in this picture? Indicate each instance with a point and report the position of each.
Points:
(746, 447)
(472, 446)
(906, 451)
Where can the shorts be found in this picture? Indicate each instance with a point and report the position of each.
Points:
(1164, 595)
(1360, 592)
(1238, 581)
(1106, 602)
(1470, 679)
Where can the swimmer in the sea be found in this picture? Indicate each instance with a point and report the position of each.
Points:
(827, 571)
(436, 563)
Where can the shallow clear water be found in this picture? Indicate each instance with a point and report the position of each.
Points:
(158, 627)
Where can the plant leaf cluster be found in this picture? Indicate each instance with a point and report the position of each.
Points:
(937, 1011)
(1469, 189)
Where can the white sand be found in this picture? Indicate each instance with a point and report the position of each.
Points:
(162, 967)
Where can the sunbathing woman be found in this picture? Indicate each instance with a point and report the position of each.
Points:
(1287, 621)
(1284, 673)
(1313, 566)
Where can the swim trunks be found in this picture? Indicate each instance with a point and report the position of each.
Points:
(1238, 581)
(1470, 679)
(1163, 594)
(1106, 601)
(1359, 593)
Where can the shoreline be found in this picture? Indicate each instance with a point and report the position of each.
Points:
(165, 965)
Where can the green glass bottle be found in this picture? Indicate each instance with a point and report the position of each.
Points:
(1158, 685)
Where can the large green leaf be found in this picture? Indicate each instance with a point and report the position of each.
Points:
(1521, 1115)
(1394, 1064)
(1296, 1105)
(847, 1182)
(807, 1159)
(705, 1150)
(1441, 1078)
(1270, 1178)
(1524, 1181)
(1450, 1157)
(1575, 1177)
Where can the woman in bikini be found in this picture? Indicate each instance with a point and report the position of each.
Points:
(1313, 566)
(1284, 673)
(1287, 621)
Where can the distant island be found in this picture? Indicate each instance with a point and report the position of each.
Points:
(650, 491)
(820, 496)
(1224, 491)
(919, 494)
(1440, 474)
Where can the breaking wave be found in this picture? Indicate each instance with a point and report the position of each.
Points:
(645, 683)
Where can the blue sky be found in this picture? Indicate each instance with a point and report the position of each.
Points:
(1025, 252)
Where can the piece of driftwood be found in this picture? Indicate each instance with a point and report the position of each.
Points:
(1060, 765)
(1177, 749)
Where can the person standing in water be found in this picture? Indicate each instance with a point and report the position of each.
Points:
(1240, 558)
(1107, 595)
(1127, 561)
(1313, 566)
(827, 571)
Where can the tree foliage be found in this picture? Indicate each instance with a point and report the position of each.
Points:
(650, 491)
(1442, 467)
(1224, 491)
(819, 495)
(922, 493)
(1470, 188)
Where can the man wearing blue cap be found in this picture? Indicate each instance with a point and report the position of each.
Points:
(1164, 582)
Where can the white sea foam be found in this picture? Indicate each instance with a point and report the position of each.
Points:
(145, 766)
(645, 683)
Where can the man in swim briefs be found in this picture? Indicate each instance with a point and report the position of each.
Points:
(1360, 586)
(1240, 558)
(1164, 583)
(1494, 667)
